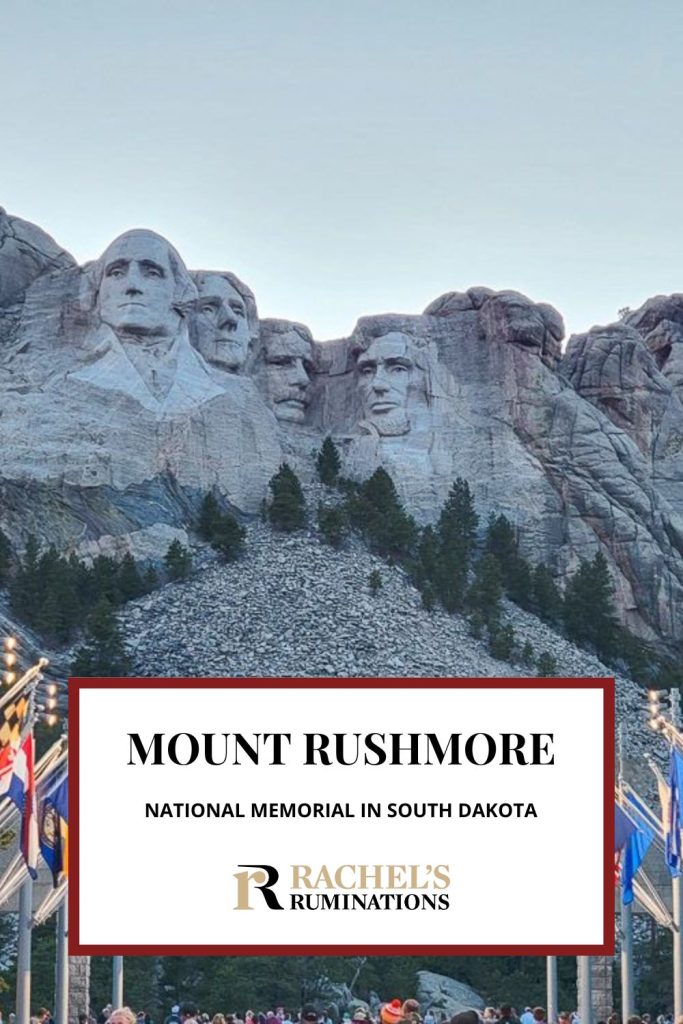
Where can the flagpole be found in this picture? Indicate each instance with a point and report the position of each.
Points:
(62, 965)
(551, 985)
(24, 952)
(677, 901)
(626, 935)
(585, 987)
(117, 982)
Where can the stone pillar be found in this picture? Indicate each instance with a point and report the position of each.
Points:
(79, 987)
(603, 999)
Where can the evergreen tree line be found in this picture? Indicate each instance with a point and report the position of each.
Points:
(452, 569)
(54, 594)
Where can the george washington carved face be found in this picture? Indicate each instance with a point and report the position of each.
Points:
(142, 285)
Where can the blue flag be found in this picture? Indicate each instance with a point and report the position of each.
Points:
(54, 828)
(673, 816)
(623, 828)
(634, 854)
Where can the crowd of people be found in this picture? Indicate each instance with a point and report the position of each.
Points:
(395, 1011)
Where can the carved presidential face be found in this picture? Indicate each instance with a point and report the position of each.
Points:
(288, 367)
(222, 326)
(137, 290)
(387, 378)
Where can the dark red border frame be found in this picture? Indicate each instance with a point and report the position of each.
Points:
(606, 948)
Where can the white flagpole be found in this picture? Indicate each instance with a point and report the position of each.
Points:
(24, 952)
(551, 985)
(62, 965)
(117, 982)
(626, 935)
(585, 988)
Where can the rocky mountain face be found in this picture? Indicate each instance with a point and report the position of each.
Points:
(131, 386)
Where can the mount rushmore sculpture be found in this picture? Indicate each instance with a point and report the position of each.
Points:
(132, 385)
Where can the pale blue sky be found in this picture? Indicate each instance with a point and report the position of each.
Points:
(362, 157)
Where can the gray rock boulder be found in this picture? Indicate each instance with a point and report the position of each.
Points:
(441, 994)
(26, 252)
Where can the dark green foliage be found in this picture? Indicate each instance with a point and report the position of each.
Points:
(456, 533)
(228, 537)
(375, 582)
(589, 614)
(103, 653)
(487, 589)
(208, 514)
(546, 665)
(150, 579)
(328, 462)
(6, 558)
(178, 561)
(501, 541)
(287, 508)
(130, 581)
(55, 594)
(477, 624)
(333, 524)
(428, 597)
(545, 595)
(377, 512)
(527, 654)
(502, 642)
(220, 529)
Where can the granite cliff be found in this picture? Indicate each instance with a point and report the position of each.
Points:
(132, 385)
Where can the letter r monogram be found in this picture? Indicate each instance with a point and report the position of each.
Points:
(264, 878)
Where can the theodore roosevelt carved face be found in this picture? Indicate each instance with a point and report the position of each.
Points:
(287, 367)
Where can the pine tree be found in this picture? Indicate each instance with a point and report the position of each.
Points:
(456, 533)
(375, 582)
(487, 589)
(130, 583)
(26, 588)
(328, 462)
(6, 557)
(150, 579)
(208, 514)
(376, 510)
(178, 561)
(287, 508)
(502, 642)
(103, 653)
(501, 541)
(228, 537)
(589, 614)
(528, 655)
(546, 665)
(545, 595)
(332, 524)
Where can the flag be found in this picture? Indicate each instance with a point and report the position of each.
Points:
(22, 791)
(637, 845)
(13, 721)
(54, 828)
(671, 814)
(623, 827)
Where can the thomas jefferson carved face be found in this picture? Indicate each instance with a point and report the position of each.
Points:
(387, 376)
(288, 366)
(222, 325)
(138, 286)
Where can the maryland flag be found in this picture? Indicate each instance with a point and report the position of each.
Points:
(54, 828)
(13, 723)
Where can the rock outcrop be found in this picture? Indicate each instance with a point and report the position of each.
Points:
(443, 995)
(131, 386)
